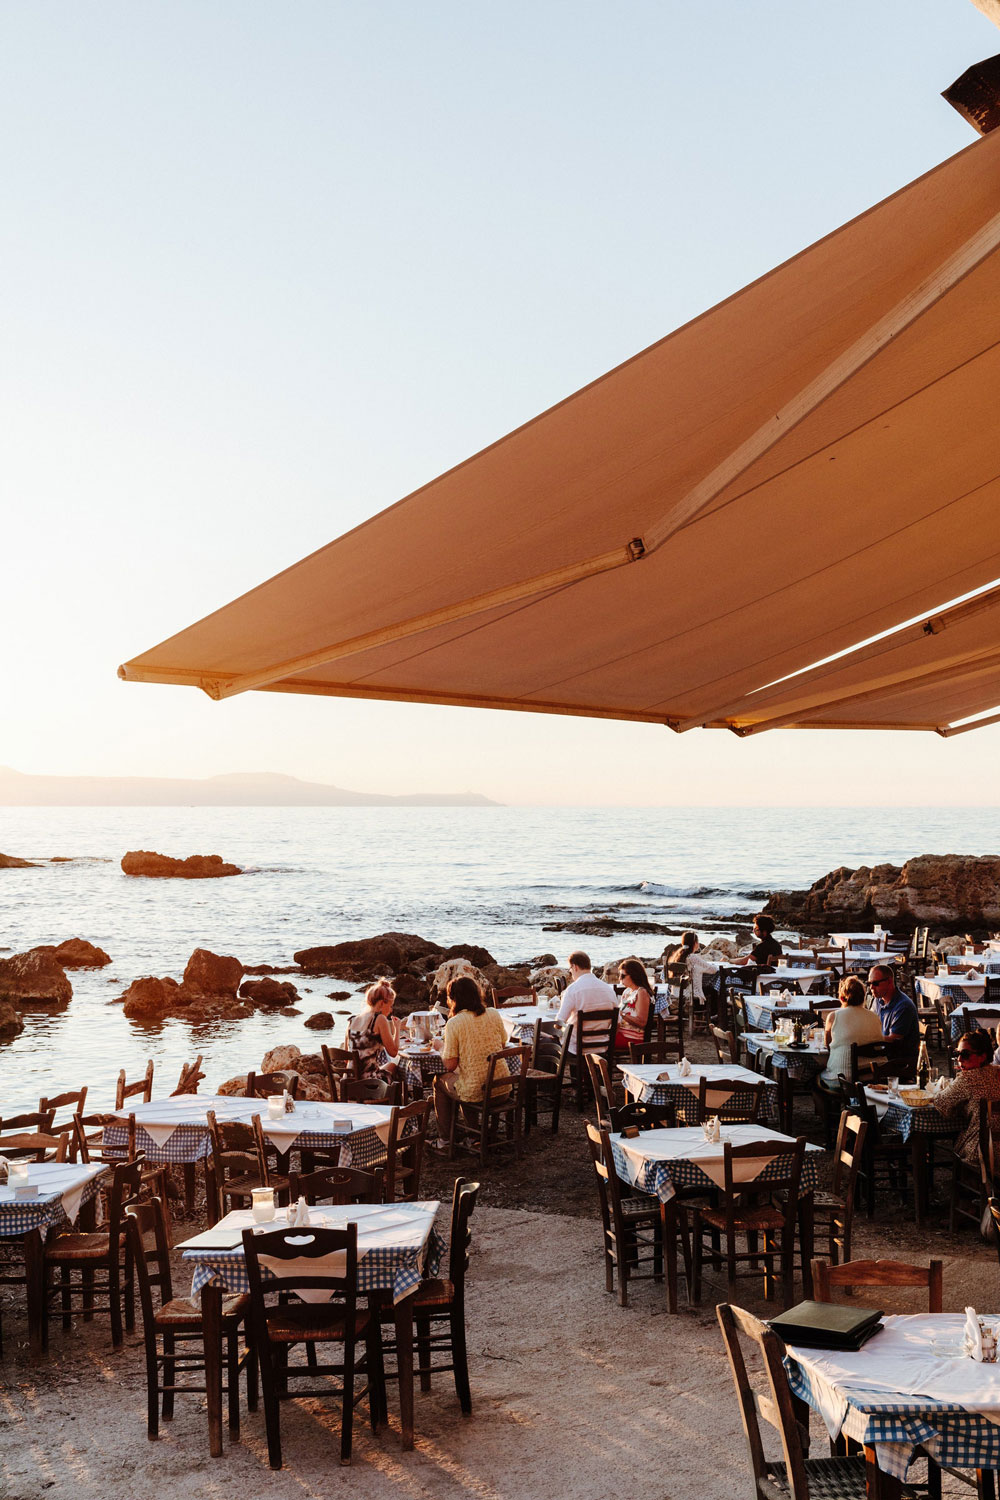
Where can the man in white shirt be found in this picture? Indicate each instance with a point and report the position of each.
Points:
(586, 992)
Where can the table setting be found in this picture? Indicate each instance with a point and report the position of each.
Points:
(974, 1015)
(802, 1060)
(803, 978)
(39, 1195)
(658, 1162)
(669, 1083)
(946, 985)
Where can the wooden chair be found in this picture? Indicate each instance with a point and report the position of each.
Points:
(992, 988)
(796, 1476)
(172, 1330)
(972, 1183)
(546, 1075)
(870, 1063)
(882, 1155)
(337, 1185)
(834, 1211)
(475, 1126)
(30, 1137)
(91, 1254)
(633, 1226)
(141, 1088)
(279, 1325)
(677, 978)
(191, 1076)
(604, 1094)
(339, 1063)
(641, 1117)
(404, 1151)
(370, 1091)
(439, 1306)
(513, 994)
(262, 1085)
(237, 1164)
(73, 1100)
(89, 1149)
(752, 1210)
(88, 1140)
(734, 1100)
(593, 1031)
(878, 1273)
(726, 1047)
(667, 1047)
(669, 1030)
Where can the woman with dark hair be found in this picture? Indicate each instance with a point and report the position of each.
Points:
(853, 1022)
(978, 1078)
(473, 1031)
(689, 945)
(635, 1003)
(374, 1032)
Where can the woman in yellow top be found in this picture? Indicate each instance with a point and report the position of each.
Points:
(473, 1031)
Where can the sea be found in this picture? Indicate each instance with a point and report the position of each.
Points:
(513, 879)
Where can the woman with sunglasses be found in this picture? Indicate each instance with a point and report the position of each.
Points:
(978, 1078)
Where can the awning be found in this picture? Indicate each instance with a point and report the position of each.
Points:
(811, 463)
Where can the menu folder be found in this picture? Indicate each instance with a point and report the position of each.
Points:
(826, 1325)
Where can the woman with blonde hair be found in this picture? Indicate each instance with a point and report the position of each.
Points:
(853, 1022)
(374, 1032)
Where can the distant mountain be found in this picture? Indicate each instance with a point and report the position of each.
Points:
(238, 789)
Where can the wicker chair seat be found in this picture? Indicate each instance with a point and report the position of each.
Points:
(760, 1218)
(293, 1323)
(185, 1312)
(641, 1208)
(828, 1201)
(78, 1247)
(829, 1479)
(434, 1292)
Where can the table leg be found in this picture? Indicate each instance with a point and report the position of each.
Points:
(404, 1364)
(879, 1484)
(918, 1168)
(807, 1222)
(211, 1328)
(34, 1268)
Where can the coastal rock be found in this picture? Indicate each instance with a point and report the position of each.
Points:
(270, 968)
(10, 1021)
(546, 979)
(281, 1057)
(11, 862)
(500, 977)
(213, 973)
(951, 945)
(311, 1063)
(409, 991)
(608, 926)
(454, 968)
(289, 1010)
(357, 959)
(415, 949)
(34, 978)
(76, 953)
(952, 892)
(543, 961)
(339, 995)
(235, 1087)
(150, 999)
(478, 957)
(268, 992)
(163, 867)
(321, 1021)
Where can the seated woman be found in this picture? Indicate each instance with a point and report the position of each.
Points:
(473, 1031)
(853, 1022)
(635, 1003)
(689, 944)
(978, 1078)
(374, 1032)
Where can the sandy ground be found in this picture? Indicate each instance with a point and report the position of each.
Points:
(573, 1396)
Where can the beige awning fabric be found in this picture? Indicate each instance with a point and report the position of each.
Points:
(809, 464)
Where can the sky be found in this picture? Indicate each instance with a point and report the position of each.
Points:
(269, 268)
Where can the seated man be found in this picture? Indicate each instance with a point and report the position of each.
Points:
(586, 992)
(898, 1016)
(767, 950)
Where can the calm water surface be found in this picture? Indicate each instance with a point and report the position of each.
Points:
(319, 875)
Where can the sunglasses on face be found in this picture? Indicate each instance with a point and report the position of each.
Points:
(965, 1054)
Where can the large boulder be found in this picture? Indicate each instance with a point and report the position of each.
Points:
(163, 867)
(10, 1021)
(322, 1020)
(11, 862)
(280, 1058)
(455, 968)
(545, 979)
(76, 953)
(213, 973)
(268, 992)
(362, 958)
(951, 892)
(34, 978)
(479, 957)
(411, 993)
(415, 949)
(150, 999)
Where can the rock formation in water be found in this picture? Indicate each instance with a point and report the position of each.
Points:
(950, 892)
(267, 992)
(11, 1023)
(34, 978)
(163, 867)
(77, 953)
(11, 862)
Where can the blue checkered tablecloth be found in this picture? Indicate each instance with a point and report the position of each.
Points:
(660, 1175)
(974, 1016)
(683, 1095)
(46, 1211)
(896, 1425)
(801, 1066)
(762, 1011)
(396, 1268)
(907, 1120)
(957, 988)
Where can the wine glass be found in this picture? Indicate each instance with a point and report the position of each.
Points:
(893, 1086)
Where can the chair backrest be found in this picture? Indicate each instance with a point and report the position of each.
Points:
(600, 1078)
(870, 1062)
(260, 1085)
(550, 1052)
(732, 1099)
(642, 1116)
(879, 1273)
(126, 1184)
(463, 1202)
(609, 1184)
(513, 994)
(726, 1047)
(73, 1099)
(668, 1045)
(34, 1145)
(992, 987)
(141, 1086)
(368, 1091)
(339, 1063)
(778, 1407)
(678, 977)
(784, 1172)
(405, 1150)
(191, 1076)
(847, 1156)
(336, 1185)
(594, 1031)
(300, 1246)
(505, 1092)
(147, 1221)
(237, 1146)
(39, 1119)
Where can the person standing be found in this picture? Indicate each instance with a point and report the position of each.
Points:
(586, 992)
(898, 1016)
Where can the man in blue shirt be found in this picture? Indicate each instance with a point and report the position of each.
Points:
(898, 1015)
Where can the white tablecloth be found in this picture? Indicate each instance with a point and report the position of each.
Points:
(953, 986)
(804, 979)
